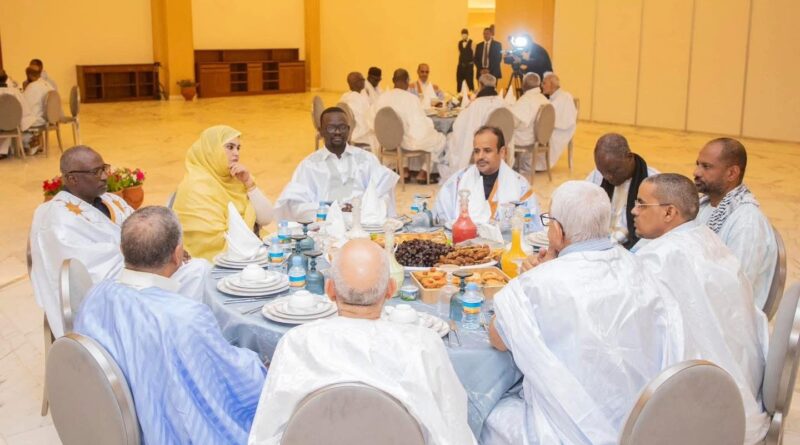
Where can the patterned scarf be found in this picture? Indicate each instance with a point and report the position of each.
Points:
(732, 200)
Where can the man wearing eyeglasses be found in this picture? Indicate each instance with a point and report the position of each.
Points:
(692, 266)
(83, 222)
(339, 172)
(585, 327)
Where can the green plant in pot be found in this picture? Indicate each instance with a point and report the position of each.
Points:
(188, 88)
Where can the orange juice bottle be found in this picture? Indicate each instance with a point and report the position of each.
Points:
(512, 257)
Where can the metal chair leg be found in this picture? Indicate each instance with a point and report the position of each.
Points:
(532, 172)
(58, 136)
(48, 342)
(400, 167)
(569, 155)
(46, 142)
(547, 161)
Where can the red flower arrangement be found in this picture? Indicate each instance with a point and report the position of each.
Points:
(51, 187)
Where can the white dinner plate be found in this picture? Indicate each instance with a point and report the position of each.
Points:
(222, 287)
(272, 278)
(269, 312)
(284, 309)
(425, 320)
(266, 289)
(538, 239)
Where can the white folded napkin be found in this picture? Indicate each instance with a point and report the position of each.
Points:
(373, 209)
(490, 232)
(510, 98)
(479, 210)
(243, 244)
(334, 222)
(464, 94)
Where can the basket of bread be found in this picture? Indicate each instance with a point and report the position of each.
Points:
(491, 280)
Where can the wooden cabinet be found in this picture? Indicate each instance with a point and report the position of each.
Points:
(249, 71)
(112, 83)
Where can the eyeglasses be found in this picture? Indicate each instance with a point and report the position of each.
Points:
(339, 128)
(640, 204)
(98, 172)
(546, 219)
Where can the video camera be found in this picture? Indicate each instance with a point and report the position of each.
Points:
(519, 44)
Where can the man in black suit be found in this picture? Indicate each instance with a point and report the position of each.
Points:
(488, 61)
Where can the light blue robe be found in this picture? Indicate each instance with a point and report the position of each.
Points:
(188, 384)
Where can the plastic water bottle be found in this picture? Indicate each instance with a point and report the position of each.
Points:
(527, 214)
(297, 275)
(472, 300)
(276, 254)
(416, 205)
(283, 232)
(322, 211)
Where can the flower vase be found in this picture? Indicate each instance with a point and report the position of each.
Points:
(48, 197)
(133, 196)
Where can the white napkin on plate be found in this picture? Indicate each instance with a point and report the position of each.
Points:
(510, 98)
(243, 244)
(373, 209)
(490, 232)
(334, 222)
(464, 94)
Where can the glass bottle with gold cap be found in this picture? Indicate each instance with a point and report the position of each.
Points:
(512, 258)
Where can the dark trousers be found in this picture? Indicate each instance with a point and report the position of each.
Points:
(465, 73)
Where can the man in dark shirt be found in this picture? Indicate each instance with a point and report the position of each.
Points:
(465, 69)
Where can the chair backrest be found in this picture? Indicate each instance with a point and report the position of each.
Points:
(577, 103)
(691, 403)
(778, 278)
(317, 107)
(544, 124)
(90, 400)
(53, 113)
(10, 112)
(504, 120)
(389, 129)
(351, 118)
(351, 414)
(74, 101)
(171, 200)
(782, 359)
(74, 282)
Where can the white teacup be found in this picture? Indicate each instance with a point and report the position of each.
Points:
(253, 274)
(301, 300)
(404, 313)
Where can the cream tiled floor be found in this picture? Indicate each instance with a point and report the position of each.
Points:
(277, 133)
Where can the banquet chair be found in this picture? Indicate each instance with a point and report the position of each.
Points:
(504, 120)
(317, 107)
(778, 278)
(782, 361)
(543, 125)
(74, 284)
(351, 122)
(90, 400)
(53, 115)
(691, 403)
(351, 414)
(389, 131)
(11, 123)
(74, 109)
(577, 103)
(171, 200)
(48, 334)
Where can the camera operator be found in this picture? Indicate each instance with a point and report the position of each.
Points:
(530, 57)
(465, 69)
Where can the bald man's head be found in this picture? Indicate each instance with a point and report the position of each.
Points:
(360, 273)
(84, 173)
(530, 81)
(613, 158)
(355, 81)
(400, 78)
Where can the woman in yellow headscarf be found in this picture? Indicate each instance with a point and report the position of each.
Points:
(213, 178)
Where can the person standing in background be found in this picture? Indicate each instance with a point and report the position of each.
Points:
(489, 55)
(465, 69)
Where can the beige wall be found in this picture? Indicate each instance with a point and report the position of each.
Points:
(390, 35)
(717, 66)
(225, 24)
(76, 32)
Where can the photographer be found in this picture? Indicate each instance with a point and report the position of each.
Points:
(529, 56)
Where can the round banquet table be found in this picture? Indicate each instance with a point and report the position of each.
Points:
(486, 373)
(443, 125)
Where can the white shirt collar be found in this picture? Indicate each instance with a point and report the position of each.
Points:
(349, 150)
(142, 280)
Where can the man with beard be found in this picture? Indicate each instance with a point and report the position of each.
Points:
(730, 209)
